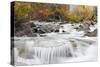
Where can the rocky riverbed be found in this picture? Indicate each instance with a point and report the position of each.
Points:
(33, 28)
(48, 43)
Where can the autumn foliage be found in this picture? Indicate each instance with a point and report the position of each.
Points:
(35, 11)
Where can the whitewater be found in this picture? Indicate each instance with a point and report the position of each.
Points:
(71, 46)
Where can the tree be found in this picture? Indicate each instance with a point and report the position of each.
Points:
(86, 12)
(21, 11)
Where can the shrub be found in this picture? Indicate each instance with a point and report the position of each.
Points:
(73, 17)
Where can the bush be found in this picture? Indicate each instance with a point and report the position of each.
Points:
(73, 17)
(21, 11)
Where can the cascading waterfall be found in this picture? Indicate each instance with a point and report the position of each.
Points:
(53, 47)
(50, 50)
(50, 54)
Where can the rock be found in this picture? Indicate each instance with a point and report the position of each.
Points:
(56, 30)
(43, 35)
(91, 34)
(24, 29)
(42, 27)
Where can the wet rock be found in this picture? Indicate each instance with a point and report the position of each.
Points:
(56, 30)
(91, 34)
(43, 35)
(42, 27)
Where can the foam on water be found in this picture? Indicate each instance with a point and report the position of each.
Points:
(55, 48)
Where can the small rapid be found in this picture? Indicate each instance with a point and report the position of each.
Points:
(59, 47)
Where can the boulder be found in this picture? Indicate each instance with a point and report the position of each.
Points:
(92, 34)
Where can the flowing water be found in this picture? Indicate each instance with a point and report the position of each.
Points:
(55, 48)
